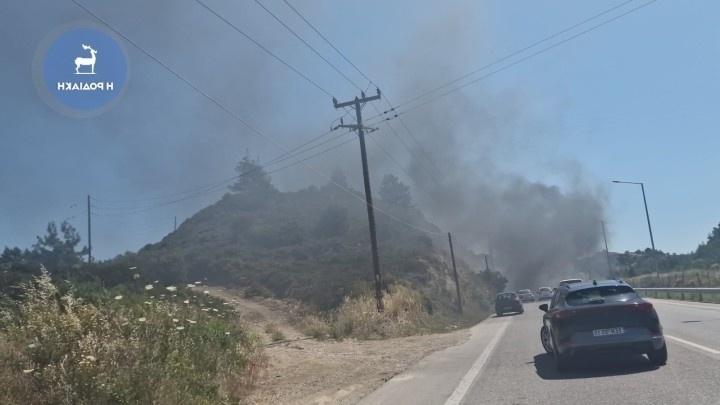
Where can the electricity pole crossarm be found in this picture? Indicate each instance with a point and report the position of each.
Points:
(368, 195)
(356, 101)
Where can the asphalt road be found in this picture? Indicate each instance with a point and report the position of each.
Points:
(504, 363)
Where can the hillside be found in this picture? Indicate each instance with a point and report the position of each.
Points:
(312, 245)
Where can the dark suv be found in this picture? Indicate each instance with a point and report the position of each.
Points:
(604, 317)
(508, 302)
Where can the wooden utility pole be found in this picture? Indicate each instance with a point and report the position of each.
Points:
(457, 283)
(89, 231)
(368, 195)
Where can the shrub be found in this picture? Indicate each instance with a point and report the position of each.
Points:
(404, 315)
(257, 291)
(58, 349)
(276, 334)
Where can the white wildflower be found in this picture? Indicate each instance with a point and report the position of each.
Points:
(214, 310)
(142, 319)
(118, 297)
(186, 302)
(91, 358)
(176, 320)
(190, 321)
(205, 309)
(206, 292)
(227, 333)
(171, 288)
(32, 345)
(136, 276)
(180, 328)
(28, 371)
(148, 287)
(148, 302)
(198, 282)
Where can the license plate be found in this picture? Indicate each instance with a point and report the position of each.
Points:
(608, 331)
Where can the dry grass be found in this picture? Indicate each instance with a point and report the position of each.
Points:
(57, 349)
(358, 317)
(681, 279)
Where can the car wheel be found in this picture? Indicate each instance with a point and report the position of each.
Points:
(522, 310)
(545, 339)
(658, 357)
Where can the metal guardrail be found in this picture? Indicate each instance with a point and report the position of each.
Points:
(698, 290)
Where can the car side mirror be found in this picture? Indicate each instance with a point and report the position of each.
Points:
(544, 307)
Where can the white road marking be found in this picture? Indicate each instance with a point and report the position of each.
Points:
(662, 301)
(469, 377)
(695, 345)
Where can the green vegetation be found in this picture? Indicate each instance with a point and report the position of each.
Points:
(158, 345)
(276, 334)
(674, 269)
(406, 314)
(67, 339)
(681, 279)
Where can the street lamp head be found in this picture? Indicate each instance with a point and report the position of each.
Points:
(616, 181)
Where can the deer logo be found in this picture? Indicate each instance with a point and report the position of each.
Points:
(80, 61)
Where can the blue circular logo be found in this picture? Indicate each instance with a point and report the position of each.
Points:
(80, 70)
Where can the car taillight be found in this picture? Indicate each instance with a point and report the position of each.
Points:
(561, 315)
(645, 307)
(516, 299)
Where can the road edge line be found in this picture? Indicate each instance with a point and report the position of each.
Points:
(459, 393)
(695, 345)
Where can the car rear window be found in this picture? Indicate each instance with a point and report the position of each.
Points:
(524, 291)
(601, 294)
(545, 289)
(507, 296)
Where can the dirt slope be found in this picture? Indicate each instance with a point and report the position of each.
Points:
(307, 371)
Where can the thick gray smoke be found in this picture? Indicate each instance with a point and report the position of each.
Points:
(485, 146)
(163, 137)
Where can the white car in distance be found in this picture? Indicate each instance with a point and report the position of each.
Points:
(544, 293)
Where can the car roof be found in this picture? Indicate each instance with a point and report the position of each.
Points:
(594, 283)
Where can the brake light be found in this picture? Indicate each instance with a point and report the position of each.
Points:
(516, 299)
(645, 307)
(561, 315)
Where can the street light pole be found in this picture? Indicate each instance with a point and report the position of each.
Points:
(607, 252)
(647, 215)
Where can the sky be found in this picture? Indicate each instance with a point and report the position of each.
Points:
(630, 95)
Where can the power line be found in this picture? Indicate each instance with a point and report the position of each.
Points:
(258, 44)
(135, 210)
(517, 52)
(209, 188)
(308, 45)
(349, 80)
(409, 150)
(386, 100)
(376, 109)
(511, 64)
(328, 42)
(238, 118)
(191, 190)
